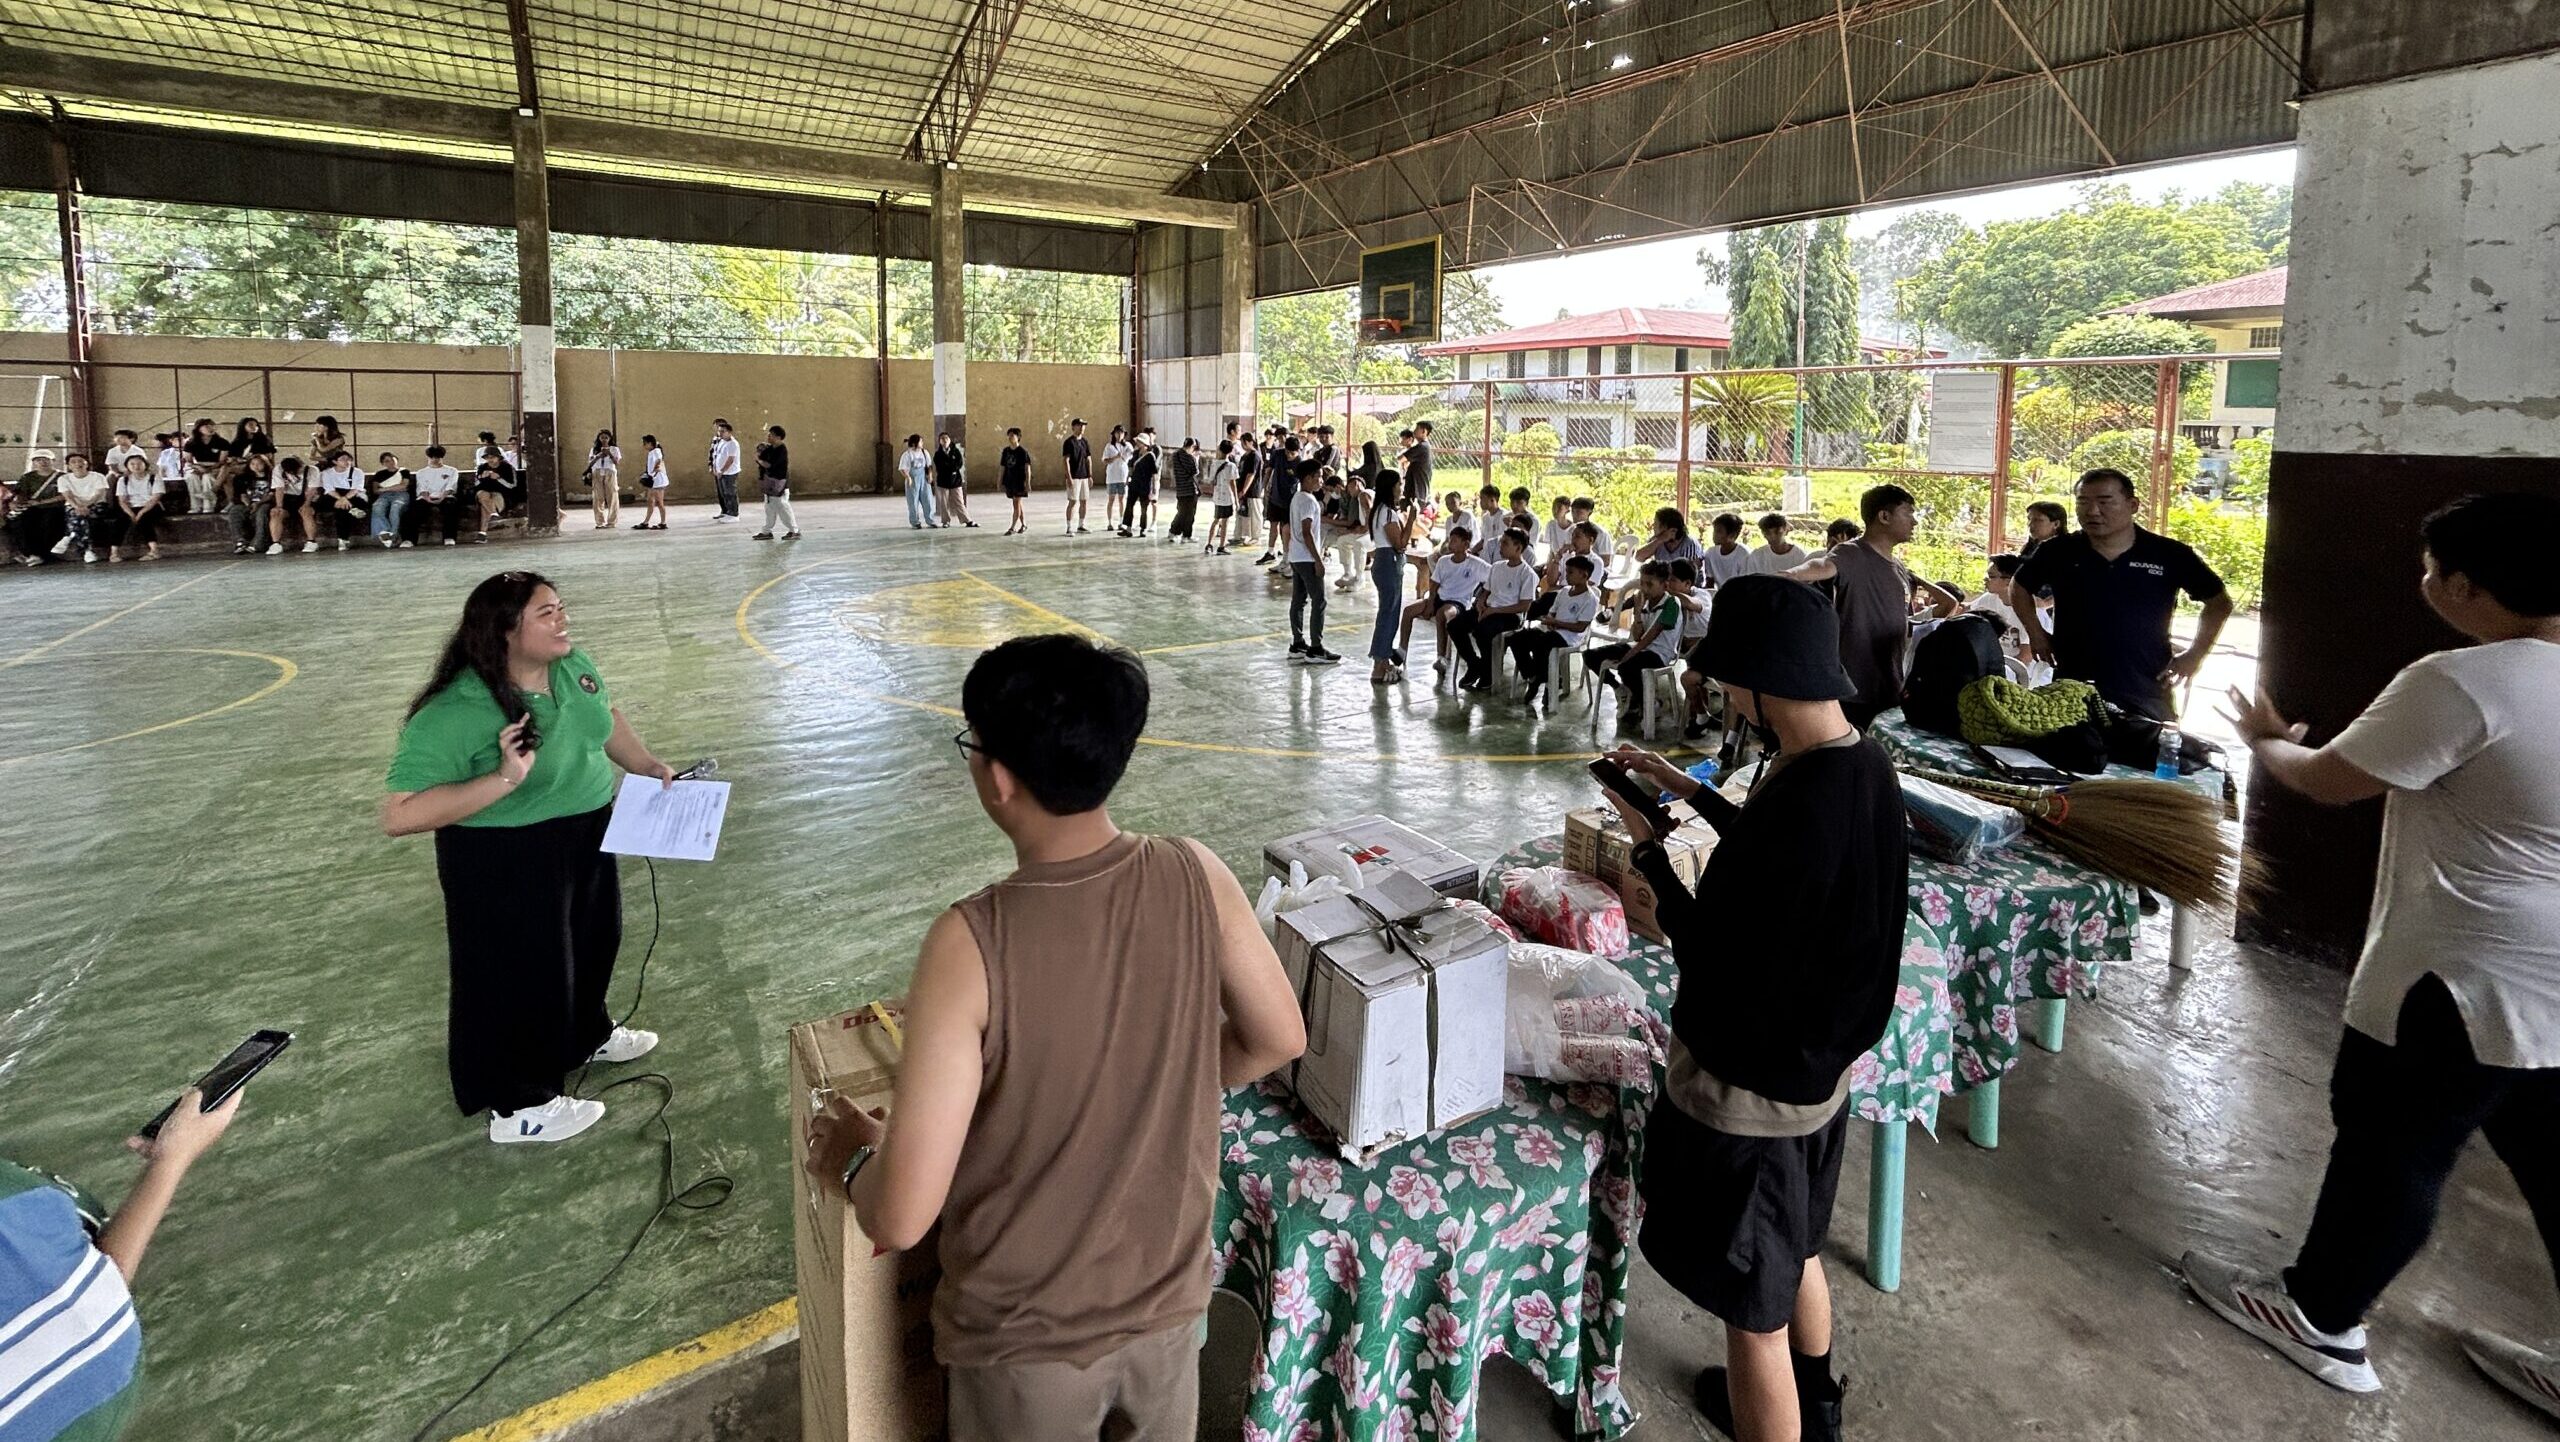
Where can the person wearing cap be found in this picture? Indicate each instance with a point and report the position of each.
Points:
(33, 510)
(1789, 954)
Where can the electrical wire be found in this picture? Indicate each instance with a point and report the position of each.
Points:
(702, 1195)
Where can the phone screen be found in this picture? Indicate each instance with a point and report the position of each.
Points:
(229, 1074)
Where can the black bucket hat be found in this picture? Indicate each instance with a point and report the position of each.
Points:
(1777, 637)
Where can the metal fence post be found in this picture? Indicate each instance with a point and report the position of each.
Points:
(2164, 431)
(1680, 487)
(2004, 415)
(1488, 433)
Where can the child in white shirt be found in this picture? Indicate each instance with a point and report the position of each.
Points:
(1566, 625)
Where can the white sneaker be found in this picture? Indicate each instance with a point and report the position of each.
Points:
(344, 543)
(448, 540)
(310, 546)
(62, 547)
(2532, 1375)
(556, 1120)
(88, 558)
(626, 1044)
(411, 546)
(276, 549)
(2259, 1306)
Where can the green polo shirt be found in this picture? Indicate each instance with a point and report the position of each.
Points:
(454, 737)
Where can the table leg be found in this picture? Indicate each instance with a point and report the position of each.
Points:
(1884, 1205)
(2182, 938)
(2049, 1019)
(1982, 1115)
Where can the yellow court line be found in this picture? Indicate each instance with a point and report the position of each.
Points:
(1210, 645)
(285, 672)
(1034, 607)
(647, 1375)
(114, 616)
(755, 643)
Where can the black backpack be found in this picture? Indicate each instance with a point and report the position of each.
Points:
(1960, 651)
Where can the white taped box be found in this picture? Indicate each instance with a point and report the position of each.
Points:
(1364, 847)
(1404, 998)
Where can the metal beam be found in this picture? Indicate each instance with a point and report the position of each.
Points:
(944, 125)
(520, 34)
(571, 135)
(75, 284)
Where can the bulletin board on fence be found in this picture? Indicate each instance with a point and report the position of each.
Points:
(1964, 420)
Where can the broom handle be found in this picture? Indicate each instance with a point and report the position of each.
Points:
(2042, 802)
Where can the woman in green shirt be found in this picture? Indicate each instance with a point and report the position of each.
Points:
(509, 756)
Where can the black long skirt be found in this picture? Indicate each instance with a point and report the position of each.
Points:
(532, 920)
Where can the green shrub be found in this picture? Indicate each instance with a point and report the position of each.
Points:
(2232, 540)
(2130, 452)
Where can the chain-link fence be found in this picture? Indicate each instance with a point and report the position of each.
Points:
(1974, 442)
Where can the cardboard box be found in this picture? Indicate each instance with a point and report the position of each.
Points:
(1374, 844)
(1404, 1035)
(867, 1370)
(1596, 845)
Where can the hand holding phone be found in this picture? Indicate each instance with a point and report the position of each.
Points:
(190, 1130)
(1646, 818)
(214, 1092)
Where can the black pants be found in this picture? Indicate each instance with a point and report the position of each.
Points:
(1529, 652)
(2403, 1113)
(1184, 508)
(1476, 636)
(1306, 590)
(727, 489)
(34, 529)
(448, 514)
(532, 920)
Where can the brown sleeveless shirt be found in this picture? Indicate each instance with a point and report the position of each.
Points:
(1079, 1215)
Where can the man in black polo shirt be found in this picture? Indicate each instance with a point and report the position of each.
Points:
(2115, 586)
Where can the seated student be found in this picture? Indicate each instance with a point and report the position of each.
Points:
(33, 510)
(1789, 952)
(496, 487)
(1623, 664)
(1581, 539)
(1997, 599)
(1728, 557)
(338, 500)
(437, 492)
(73, 1352)
(252, 503)
(89, 510)
(1457, 577)
(1522, 518)
(1671, 539)
(1489, 521)
(1070, 1032)
(1776, 553)
(390, 499)
(209, 471)
(1510, 587)
(1564, 626)
(126, 446)
(1557, 533)
(1695, 606)
(293, 506)
(169, 465)
(139, 509)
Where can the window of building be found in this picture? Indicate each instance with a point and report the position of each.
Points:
(1660, 432)
(2251, 385)
(1516, 364)
(1560, 362)
(1530, 423)
(1580, 431)
(1680, 358)
(1463, 367)
(2266, 337)
(1591, 361)
(1626, 359)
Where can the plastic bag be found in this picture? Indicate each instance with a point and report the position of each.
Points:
(1572, 1016)
(1489, 917)
(1952, 825)
(1298, 891)
(1565, 908)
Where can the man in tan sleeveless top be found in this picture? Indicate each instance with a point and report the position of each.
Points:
(1069, 1032)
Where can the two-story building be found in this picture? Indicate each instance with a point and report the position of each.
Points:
(2244, 313)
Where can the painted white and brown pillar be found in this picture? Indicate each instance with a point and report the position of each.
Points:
(1239, 372)
(538, 429)
(950, 310)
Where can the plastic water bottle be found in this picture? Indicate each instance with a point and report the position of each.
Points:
(2166, 767)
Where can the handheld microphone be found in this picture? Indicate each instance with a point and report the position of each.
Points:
(702, 770)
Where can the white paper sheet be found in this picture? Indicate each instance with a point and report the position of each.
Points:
(673, 823)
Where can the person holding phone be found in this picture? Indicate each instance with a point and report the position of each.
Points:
(509, 755)
(79, 1371)
(1789, 953)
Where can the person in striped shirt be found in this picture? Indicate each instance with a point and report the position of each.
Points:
(70, 1344)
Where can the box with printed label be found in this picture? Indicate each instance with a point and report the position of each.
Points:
(867, 1369)
(1368, 845)
(1404, 997)
(1595, 844)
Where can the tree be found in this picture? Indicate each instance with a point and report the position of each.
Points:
(2267, 212)
(1469, 305)
(1304, 340)
(2014, 286)
(1839, 404)
(1893, 255)
(1764, 327)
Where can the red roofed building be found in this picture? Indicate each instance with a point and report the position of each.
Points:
(1607, 356)
(2244, 313)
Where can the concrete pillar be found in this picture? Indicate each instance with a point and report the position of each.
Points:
(539, 429)
(2417, 369)
(1238, 370)
(950, 311)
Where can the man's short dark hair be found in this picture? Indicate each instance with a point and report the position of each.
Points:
(1062, 713)
(1729, 522)
(1519, 494)
(1585, 503)
(1773, 522)
(1654, 570)
(1842, 529)
(1670, 516)
(2053, 511)
(1586, 528)
(776, 432)
(1684, 569)
(2104, 473)
(1877, 500)
(1422, 428)
(1517, 537)
(1489, 490)
(2006, 564)
(435, 453)
(1578, 563)
(2497, 541)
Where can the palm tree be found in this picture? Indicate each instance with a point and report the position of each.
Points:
(1741, 412)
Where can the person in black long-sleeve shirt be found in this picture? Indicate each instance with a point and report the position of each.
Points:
(1789, 954)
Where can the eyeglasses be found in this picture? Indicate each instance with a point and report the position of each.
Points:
(960, 738)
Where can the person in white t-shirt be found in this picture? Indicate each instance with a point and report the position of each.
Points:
(1510, 586)
(127, 445)
(170, 464)
(1777, 554)
(2453, 1014)
(138, 493)
(1557, 534)
(1306, 565)
(1457, 578)
(725, 466)
(1727, 557)
(87, 507)
(339, 501)
(653, 485)
(1998, 600)
(1564, 627)
(438, 492)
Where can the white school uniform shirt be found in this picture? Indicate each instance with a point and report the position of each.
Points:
(1460, 582)
(1723, 566)
(436, 482)
(1694, 610)
(724, 456)
(2469, 882)
(1556, 536)
(138, 491)
(1508, 583)
(653, 468)
(1222, 483)
(170, 465)
(1767, 562)
(115, 458)
(1577, 613)
(1306, 511)
(335, 481)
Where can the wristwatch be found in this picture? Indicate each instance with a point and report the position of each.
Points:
(853, 1167)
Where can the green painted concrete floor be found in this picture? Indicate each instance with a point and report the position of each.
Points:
(356, 1252)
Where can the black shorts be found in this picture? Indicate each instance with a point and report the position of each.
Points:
(1017, 489)
(1729, 1220)
(1222, 513)
(1277, 513)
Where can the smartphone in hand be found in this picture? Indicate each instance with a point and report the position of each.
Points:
(1640, 798)
(228, 1075)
